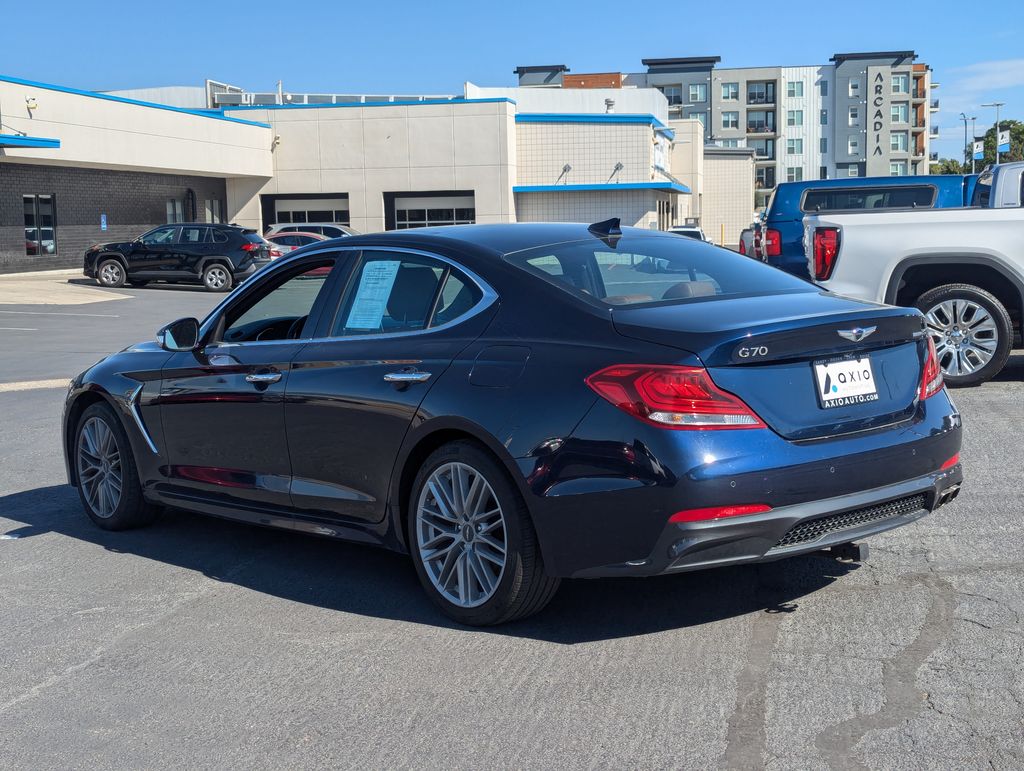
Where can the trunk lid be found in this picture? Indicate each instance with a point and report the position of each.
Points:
(765, 350)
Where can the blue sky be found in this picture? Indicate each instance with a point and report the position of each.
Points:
(415, 47)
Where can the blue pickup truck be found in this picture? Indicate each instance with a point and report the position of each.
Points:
(779, 238)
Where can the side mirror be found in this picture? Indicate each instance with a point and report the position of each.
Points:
(180, 335)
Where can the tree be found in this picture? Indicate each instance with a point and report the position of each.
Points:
(1016, 129)
(949, 166)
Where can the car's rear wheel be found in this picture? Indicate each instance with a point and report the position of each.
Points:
(217, 278)
(971, 330)
(108, 479)
(110, 273)
(472, 541)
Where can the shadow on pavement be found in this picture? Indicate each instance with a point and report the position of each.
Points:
(372, 582)
(149, 285)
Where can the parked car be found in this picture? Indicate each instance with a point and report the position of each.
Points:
(329, 229)
(689, 231)
(286, 241)
(214, 255)
(513, 404)
(963, 268)
(780, 241)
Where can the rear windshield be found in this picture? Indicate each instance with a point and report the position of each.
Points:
(638, 270)
(844, 199)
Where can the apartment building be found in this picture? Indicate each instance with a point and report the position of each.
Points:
(861, 114)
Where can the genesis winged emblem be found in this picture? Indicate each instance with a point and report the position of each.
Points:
(856, 334)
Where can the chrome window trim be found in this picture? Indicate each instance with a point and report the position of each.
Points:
(488, 298)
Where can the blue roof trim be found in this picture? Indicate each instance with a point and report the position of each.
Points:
(402, 103)
(17, 140)
(125, 100)
(674, 186)
(596, 117)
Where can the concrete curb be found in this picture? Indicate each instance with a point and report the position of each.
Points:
(43, 273)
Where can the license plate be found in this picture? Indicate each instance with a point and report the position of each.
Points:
(844, 382)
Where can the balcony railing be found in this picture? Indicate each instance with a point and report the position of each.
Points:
(934, 106)
(933, 131)
(933, 156)
(920, 93)
(760, 99)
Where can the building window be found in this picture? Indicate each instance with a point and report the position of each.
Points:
(214, 210)
(794, 146)
(824, 90)
(764, 149)
(698, 92)
(175, 211)
(795, 89)
(823, 172)
(898, 141)
(418, 212)
(760, 122)
(674, 94)
(898, 169)
(794, 117)
(761, 93)
(764, 177)
(728, 143)
(794, 174)
(40, 225)
(854, 87)
(855, 116)
(823, 117)
(852, 172)
(730, 92)
(698, 115)
(823, 145)
(899, 112)
(730, 120)
(853, 146)
(901, 83)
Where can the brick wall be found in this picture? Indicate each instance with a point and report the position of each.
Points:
(133, 202)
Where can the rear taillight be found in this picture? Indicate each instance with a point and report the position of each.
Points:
(275, 253)
(826, 249)
(772, 243)
(743, 247)
(672, 397)
(718, 512)
(931, 377)
(248, 246)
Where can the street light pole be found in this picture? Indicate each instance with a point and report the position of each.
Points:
(997, 105)
(967, 148)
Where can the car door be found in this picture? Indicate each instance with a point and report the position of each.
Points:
(153, 251)
(354, 390)
(222, 405)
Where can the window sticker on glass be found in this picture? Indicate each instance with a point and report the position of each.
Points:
(371, 298)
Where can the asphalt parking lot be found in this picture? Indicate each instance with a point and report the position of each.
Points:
(200, 643)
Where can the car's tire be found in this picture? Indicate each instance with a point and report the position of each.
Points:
(465, 574)
(111, 273)
(108, 479)
(972, 331)
(217, 277)
(137, 283)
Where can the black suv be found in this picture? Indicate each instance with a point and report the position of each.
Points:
(215, 256)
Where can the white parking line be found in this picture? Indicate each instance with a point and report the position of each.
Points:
(48, 313)
(18, 329)
(31, 385)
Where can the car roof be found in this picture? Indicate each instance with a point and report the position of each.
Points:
(298, 233)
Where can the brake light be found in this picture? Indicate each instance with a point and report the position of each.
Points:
(931, 377)
(743, 247)
(772, 243)
(718, 512)
(826, 249)
(950, 463)
(275, 253)
(248, 246)
(672, 397)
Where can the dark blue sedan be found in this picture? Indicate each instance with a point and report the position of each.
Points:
(515, 404)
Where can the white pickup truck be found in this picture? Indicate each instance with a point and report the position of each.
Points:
(963, 268)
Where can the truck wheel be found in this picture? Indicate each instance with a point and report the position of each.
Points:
(217, 278)
(971, 330)
(110, 273)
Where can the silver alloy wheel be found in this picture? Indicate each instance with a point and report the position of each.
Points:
(99, 467)
(460, 534)
(216, 278)
(110, 273)
(965, 336)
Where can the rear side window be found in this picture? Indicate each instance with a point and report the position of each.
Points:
(845, 199)
(220, 237)
(639, 270)
(397, 292)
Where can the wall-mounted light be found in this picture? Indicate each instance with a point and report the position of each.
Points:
(30, 103)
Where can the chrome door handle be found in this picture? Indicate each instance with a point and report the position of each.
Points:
(409, 376)
(263, 378)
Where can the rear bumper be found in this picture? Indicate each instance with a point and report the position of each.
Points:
(790, 530)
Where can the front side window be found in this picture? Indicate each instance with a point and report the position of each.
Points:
(280, 310)
(159, 236)
(730, 92)
(40, 225)
(795, 89)
(698, 92)
(397, 292)
(638, 270)
(730, 120)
